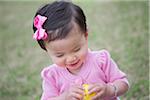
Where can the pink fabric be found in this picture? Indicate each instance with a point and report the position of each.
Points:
(98, 67)
(40, 32)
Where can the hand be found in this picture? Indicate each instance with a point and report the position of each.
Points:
(76, 92)
(99, 89)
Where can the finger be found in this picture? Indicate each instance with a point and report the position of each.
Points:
(77, 96)
(91, 86)
(78, 90)
(97, 96)
(74, 98)
(95, 89)
(94, 86)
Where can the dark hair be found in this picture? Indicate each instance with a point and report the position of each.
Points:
(60, 15)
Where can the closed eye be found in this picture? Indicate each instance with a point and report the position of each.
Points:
(77, 49)
(59, 55)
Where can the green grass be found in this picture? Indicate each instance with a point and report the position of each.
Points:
(120, 27)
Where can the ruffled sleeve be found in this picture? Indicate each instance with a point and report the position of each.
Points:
(110, 68)
(49, 83)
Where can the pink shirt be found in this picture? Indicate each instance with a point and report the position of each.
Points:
(97, 68)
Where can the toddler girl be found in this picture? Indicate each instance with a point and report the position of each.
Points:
(60, 29)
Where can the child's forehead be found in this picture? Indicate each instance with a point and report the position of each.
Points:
(72, 41)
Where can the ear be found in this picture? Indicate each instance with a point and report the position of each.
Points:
(86, 35)
(87, 30)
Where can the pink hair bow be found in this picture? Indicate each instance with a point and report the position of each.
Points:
(40, 32)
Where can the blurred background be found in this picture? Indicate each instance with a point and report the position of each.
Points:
(119, 26)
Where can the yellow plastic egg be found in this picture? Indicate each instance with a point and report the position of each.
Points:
(87, 96)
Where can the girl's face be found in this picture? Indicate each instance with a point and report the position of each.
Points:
(69, 52)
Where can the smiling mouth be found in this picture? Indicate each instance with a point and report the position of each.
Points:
(74, 63)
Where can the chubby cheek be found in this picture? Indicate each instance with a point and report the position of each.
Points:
(83, 54)
(59, 62)
(55, 60)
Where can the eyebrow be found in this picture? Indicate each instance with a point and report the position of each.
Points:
(59, 52)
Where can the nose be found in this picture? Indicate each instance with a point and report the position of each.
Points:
(71, 59)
